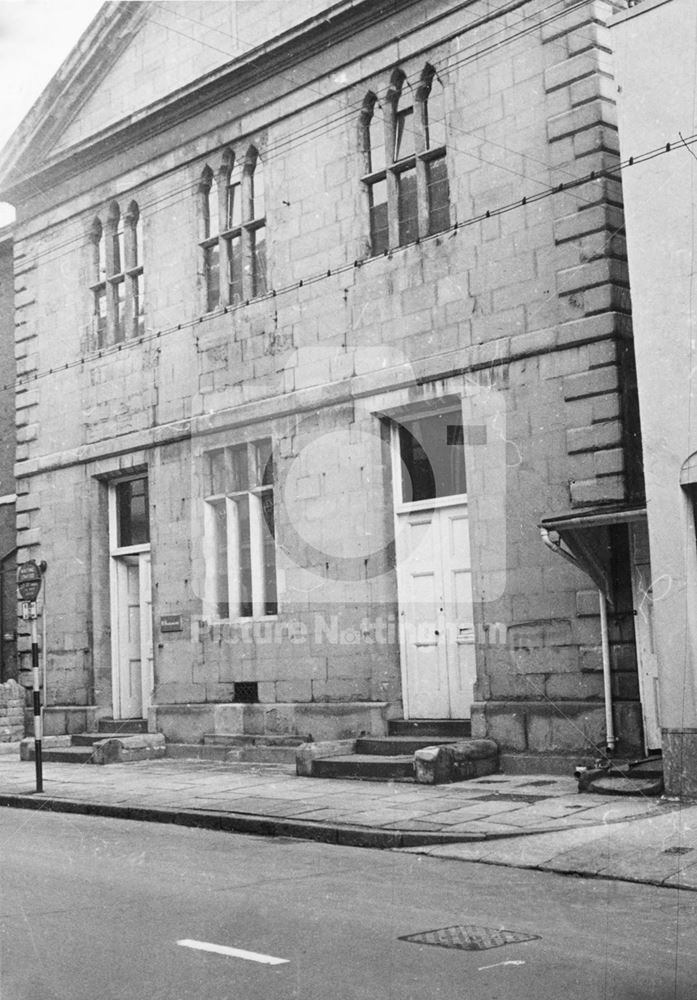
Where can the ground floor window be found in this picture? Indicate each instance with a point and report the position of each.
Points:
(240, 548)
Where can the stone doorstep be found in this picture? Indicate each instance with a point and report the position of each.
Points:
(109, 750)
(249, 753)
(231, 740)
(438, 764)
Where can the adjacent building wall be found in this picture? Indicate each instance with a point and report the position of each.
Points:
(8, 604)
(656, 57)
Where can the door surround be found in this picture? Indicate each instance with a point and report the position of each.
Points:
(450, 630)
(122, 558)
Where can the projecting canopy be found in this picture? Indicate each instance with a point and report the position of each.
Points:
(583, 537)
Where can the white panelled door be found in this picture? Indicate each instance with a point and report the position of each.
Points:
(434, 579)
(132, 636)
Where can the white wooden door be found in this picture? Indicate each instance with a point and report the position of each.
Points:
(435, 603)
(647, 661)
(132, 645)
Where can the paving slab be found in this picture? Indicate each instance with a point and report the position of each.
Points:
(660, 849)
(532, 821)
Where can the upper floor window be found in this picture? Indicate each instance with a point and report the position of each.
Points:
(431, 449)
(117, 275)
(132, 514)
(233, 230)
(98, 284)
(240, 548)
(403, 143)
(208, 237)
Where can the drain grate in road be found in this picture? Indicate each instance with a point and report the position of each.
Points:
(467, 937)
(677, 850)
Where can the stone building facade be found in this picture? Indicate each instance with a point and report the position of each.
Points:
(312, 335)
(656, 52)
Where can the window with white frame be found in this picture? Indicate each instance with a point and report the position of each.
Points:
(130, 528)
(404, 155)
(117, 275)
(233, 230)
(239, 532)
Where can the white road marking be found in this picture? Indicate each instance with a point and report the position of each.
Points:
(221, 949)
(497, 964)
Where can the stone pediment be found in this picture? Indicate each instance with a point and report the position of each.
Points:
(134, 58)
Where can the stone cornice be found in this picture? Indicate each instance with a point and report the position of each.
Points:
(267, 61)
(492, 355)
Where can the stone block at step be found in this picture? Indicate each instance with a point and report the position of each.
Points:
(121, 749)
(459, 761)
(307, 754)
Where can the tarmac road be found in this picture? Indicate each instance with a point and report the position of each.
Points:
(119, 910)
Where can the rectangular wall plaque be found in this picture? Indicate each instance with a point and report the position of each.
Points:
(171, 623)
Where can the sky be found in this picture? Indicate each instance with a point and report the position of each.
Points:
(35, 38)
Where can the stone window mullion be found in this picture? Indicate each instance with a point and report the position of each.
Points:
(246, 240)
(98, 280)
(422, 197)
(223, 244)
(111, 286)
(420, 145)
(391, 177)
(130, 262)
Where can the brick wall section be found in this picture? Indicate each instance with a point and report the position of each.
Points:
(592, 276)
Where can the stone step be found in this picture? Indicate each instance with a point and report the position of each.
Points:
(262, 754)
(87, 739)
(122, 726)
(455, 728)
(251, 739)
(63, 755)
(366, 766)
(246, 753)
(195, 751)
(394, 746)
(104, 749)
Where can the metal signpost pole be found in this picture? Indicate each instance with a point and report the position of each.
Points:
(28, 587)
(36, 691)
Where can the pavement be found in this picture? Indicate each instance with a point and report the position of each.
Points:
(523, 821)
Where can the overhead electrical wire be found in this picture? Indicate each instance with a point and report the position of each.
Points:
(482, 217)
(327, 124)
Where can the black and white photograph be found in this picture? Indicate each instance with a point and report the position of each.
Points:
(348, 500)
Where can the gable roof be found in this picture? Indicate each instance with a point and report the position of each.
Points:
(37, 153)
(96, 49)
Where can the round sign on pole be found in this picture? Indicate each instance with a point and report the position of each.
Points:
(28, 581)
